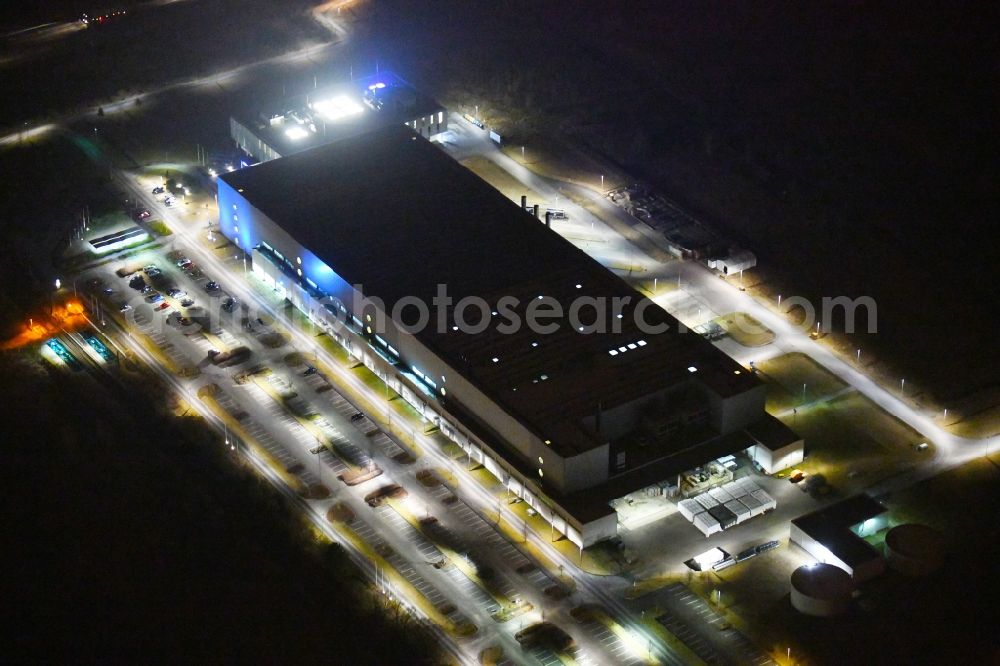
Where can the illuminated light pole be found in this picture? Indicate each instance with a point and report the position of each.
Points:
(602, 182)
(859, 355)
(902, 387)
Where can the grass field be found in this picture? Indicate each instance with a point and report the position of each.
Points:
(785, 376)
(560, 162)
(985, 423)
(849, 439)
(853, 442)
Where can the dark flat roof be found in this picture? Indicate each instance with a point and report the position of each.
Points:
(392, 212)
(772, 433)
(831, 525)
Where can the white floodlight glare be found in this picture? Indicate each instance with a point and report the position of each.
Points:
(296, 132)
(336, 108)
(709, 557)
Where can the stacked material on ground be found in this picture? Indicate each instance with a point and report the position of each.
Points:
(725, 506)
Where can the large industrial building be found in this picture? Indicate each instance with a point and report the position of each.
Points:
(334, 112)
(568, 419)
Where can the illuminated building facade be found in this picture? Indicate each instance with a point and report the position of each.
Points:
(568, 418)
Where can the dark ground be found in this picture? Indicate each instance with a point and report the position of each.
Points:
(852, 146)
(131, 536)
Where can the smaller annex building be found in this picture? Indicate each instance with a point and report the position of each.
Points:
(833, 535)
(294, 124)
(776, 446)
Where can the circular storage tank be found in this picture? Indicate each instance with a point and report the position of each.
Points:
(914, 550)
(822, 590)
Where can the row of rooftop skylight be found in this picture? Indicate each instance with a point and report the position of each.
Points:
(627, 347)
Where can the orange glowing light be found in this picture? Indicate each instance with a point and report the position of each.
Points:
(67, 316)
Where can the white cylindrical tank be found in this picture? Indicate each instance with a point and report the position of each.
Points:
(822, 590)
(914, 550)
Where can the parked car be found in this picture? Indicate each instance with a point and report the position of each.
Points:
(183, 262)
(187, 302)
(229, 304)
(212, 286)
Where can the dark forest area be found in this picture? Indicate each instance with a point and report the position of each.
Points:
(134, 535)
